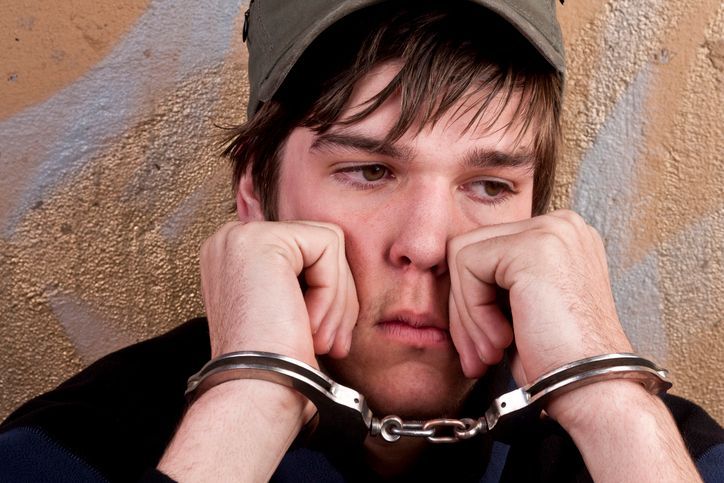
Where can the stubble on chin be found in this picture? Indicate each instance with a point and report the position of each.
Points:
(404, 381)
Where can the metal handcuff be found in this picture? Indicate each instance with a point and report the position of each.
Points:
(344, 411)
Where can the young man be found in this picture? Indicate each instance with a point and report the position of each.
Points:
(391, 185)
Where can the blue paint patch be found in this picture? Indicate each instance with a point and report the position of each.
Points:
(605, 189)
(605, 194)
(92, 335)
(173, 227)
(639, 301)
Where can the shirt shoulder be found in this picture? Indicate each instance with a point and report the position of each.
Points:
(127, 403)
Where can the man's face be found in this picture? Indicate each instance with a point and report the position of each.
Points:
(398, 207)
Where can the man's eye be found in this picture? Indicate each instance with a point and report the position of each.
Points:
(494, 188)
(364, 176)
(490, 190)
(373, 172)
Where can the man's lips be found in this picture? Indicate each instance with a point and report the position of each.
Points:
(419, 331)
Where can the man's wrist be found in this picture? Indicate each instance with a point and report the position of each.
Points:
(597, 406)
(272, 403)
(624, 433)
(213, 441)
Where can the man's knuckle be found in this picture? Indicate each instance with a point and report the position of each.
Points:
(574, 219)
(335, 229)
(455, 244)
(565, 229)
(595, 234)
(248, 228)
(549, 243)
(339, 232)
(465, 256)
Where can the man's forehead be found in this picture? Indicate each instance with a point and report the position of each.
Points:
(480, 112)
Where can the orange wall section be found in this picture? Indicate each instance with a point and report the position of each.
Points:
(48, 45)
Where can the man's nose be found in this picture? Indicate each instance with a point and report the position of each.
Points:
(424, 225)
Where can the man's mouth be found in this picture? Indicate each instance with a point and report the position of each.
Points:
(421, 331)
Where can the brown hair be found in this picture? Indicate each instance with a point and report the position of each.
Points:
(446, 53)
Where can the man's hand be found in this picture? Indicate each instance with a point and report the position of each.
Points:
(253, 298)
(240, 430)
(554, 268)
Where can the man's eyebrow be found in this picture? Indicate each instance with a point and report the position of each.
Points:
(359, 142)
(477, 158)
(493, 158)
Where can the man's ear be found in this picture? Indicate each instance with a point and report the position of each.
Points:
(248, 206)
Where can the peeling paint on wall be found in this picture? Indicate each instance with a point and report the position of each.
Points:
(110, 177)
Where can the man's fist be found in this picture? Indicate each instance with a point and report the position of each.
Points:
(253, 298)
(554, 268)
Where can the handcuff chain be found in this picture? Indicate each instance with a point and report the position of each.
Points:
(440, 430)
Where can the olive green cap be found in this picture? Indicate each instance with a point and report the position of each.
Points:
(278, 32)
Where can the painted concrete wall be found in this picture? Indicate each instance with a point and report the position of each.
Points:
(110, 179)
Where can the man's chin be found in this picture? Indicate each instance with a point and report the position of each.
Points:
(415, 406)
(409, 391)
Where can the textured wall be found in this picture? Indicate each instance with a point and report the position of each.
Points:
(110, 180)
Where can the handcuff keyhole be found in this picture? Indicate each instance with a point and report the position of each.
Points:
(502, 405)
(356, 400)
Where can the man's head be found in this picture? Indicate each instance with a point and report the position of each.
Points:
(406, 123)
(445, 47)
